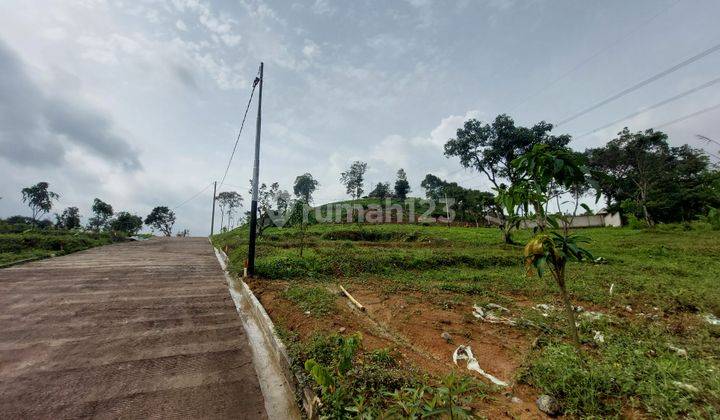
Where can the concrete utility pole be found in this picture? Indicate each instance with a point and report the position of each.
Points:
(256, 173)
(212, 219)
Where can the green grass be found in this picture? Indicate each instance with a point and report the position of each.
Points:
(669, 271)
(316, 300)
(37, 244)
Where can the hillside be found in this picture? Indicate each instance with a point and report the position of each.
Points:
(647, 301)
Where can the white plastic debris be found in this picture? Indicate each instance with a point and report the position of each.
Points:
(612, 286)
(496, 306)
(686, 387)
(599, 337)
(465, 353)
(592, 316)
(489, 316)
(544, 309)
(712, 319)
(680, 352)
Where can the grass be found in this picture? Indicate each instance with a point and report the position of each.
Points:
(16, 247)
(668, 274)
(315, 300)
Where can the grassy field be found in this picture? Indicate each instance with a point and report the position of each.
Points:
(664, 283)
(16, 247)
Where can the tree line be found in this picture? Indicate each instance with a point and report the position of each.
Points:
(41, 200)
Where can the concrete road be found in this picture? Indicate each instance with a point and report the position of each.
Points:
(132, 330)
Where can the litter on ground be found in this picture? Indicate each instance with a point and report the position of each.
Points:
(465, 353)
(490, 314)
(712, 319)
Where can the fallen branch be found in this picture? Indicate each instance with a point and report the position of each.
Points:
(352, 299)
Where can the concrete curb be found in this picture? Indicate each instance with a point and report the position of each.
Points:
(269, 354)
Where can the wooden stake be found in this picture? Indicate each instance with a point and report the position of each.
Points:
(352, 299)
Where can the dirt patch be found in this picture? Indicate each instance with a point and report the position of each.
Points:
(412, 325)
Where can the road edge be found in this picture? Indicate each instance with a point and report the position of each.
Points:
(270, 358)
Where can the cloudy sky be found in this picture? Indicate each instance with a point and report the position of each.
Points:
(138, 102)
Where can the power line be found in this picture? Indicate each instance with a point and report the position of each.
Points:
(641, 84)
(694, 114)
(193, 197)
(247, 108)
(654, 106)
(592, 57)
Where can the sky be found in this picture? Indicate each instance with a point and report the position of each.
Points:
(139, 102)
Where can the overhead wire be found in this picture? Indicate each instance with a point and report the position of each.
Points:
(641, 84)
(237, 140)
(193, 196)
(653, 106)
(581, 64)
(686, 117)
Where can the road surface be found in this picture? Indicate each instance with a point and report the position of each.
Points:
(131, 330)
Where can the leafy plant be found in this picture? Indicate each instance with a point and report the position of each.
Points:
(713, 218)
(554, 251)
(335, 390)
(451, 399)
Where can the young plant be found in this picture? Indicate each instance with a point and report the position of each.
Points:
(554, 251)
(331, 379)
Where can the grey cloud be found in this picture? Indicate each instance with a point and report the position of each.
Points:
(185, 76)
(32, 123)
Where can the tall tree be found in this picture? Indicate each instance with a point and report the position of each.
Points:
(162, 219)
(69, 219)
(491, 148)
(381, 191)
(39, 199)
(102, 213)
(305, 186)
(632, 165)
(354, 178)
(228, 201)
(402, 186)
(127, 223)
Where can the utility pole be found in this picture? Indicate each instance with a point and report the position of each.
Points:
(256, 173)
(212, 219)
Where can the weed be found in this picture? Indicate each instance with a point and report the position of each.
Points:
(314, 299)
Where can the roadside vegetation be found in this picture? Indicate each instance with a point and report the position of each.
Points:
(29, 238)
(599, 322)
(663, 284)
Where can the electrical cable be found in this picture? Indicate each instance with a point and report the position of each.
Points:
(641, 84)
(192, 197)
(591, 58)
(653, 106)
(247, 108)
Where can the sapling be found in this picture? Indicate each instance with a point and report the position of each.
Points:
(554, 251)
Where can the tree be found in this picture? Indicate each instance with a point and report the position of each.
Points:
(547, 172)
(381, 191)
(228, 200)
(642, 175)
(127, 223)
(554, 251)
(305, 186)
(69, 219)
(102, 213)
(491, 149)
(353, 179)
(162, 219)
(39, 199)
(402, 186)
(633, 162)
